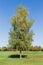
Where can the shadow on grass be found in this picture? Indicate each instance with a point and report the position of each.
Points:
(17, 56)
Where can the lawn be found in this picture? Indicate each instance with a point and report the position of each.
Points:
(33, 58)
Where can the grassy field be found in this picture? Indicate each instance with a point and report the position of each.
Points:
(9, 58)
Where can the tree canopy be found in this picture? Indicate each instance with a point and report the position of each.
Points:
(21, 35)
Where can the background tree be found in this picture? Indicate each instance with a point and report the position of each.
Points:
(4, 49)
(21, 35)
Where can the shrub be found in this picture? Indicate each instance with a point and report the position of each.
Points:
(35, 48)
(41, 49)
(4, 49)
(0, 48)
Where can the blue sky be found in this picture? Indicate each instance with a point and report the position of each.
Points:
(7, 10)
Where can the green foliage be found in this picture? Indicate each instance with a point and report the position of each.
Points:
(21, 35)
(4, 49)
(35, 48)
(41, 49)
(0, 48)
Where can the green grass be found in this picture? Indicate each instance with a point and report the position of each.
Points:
(33, 58)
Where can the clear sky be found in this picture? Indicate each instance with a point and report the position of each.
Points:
(7, 10)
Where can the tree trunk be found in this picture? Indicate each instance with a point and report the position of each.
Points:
(20, 54)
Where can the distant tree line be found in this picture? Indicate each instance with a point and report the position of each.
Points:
(31, 48)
